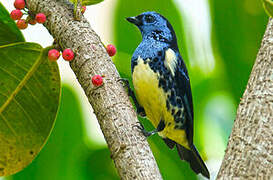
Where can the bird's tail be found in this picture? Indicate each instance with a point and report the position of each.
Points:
(194, 159)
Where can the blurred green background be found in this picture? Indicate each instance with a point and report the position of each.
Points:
(218, 40)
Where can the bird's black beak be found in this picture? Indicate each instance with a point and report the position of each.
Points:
(134, 20)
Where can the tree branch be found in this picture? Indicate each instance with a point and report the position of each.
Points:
(249, 154)
(130, 152)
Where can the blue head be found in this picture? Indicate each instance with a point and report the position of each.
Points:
(154, 26)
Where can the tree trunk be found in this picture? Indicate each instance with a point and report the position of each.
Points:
(249, 154)
(130, 152)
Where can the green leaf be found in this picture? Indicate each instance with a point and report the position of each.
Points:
(268, 6)
(9, 33)
(87, 2)
(91, 2)
(29, 99)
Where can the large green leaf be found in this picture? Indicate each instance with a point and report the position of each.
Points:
(29, 98)
(9, 33)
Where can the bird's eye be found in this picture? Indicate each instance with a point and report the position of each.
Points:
(149, 19)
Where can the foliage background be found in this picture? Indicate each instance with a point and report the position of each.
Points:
(218, 40)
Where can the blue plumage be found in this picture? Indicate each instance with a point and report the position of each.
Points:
(155, 37)
(163, 88)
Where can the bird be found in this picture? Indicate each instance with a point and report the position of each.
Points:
(162, 87)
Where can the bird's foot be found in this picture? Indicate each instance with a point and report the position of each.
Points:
(125, 82)
(144, 132)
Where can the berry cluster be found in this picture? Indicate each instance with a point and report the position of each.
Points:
(54, 54)
(68, 55)
(32, 19)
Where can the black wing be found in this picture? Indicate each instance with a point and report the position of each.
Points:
(183, 90)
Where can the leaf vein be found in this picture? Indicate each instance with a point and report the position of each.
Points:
(8, 125)
(22, 83)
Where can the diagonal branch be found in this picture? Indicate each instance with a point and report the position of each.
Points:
(132, 156)
(249, 154)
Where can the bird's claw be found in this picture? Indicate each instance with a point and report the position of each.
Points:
(124, 81)
(139, 126)
(142, 129)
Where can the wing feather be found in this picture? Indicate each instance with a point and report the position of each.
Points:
(183, 90)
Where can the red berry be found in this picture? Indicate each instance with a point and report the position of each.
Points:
(19, 4)
(32, 21)
(22, 24)
(111, 50)
(16, 14)
(97, 80)
(53, 55)
(40, 18)
(83, 9)
(68, 54)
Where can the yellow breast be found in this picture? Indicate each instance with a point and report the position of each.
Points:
(153, 99)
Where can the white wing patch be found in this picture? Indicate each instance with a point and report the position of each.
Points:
(170, 60)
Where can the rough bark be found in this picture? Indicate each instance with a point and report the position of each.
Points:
(131, 153)
(249, 154)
